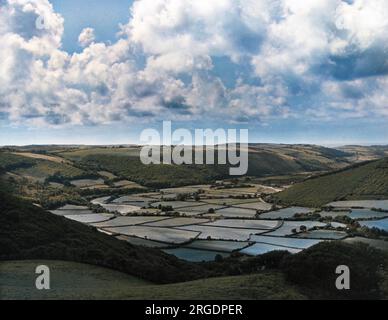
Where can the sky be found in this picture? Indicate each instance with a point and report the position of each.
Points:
(99, 72)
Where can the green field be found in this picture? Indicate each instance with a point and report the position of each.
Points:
(361, 182)
(71, 280)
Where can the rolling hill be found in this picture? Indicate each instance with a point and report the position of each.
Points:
(264, 160)
(362, 181)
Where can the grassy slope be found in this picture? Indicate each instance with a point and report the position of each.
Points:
(366, 181)
(28, 232)
(264, 160)
(71, 280)
(36, 168)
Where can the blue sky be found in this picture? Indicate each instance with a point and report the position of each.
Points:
(103, 16)
(287, 71)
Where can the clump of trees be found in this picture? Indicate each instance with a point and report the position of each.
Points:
(314, 270)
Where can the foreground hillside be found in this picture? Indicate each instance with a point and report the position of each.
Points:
(28, 232)
(362, 181)
(80, 281)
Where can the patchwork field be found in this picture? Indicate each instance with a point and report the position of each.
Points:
(173, 236)
(289, 227)
(378, 204)
(121, 208)
(246, 224)
(177, 222)
(90, 218)
(236, 213)
(219, 233)
(128, 221)
(379, 224)
(261, 248)
(285, 213)
(285, 242)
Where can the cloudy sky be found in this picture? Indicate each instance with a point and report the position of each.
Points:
(95, 71)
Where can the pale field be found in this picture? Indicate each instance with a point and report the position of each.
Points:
(288, 226)
(229, 201)
(127, 221)
(176, 204)
(42, 157)
(177, 222)
(286, 242)
(71, 212)
(132, 198)
(90, 218)
(201, 208)
(101, 200)
(127, 184)
(285, 213)
(237, 212)
(246, 224)
(107, 174)
(220, 233)
(121, 208)
(379, 204)
(260, 205)
(174, 236)
(82, 183)
(96, 187)
(261, 248)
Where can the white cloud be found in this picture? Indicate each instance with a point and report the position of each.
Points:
(319, 58)
(86, 37)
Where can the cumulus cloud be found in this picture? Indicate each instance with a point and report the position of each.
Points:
(86, 37)
(316, 59)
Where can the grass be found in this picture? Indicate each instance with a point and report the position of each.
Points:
(37, 167)
(362, 182)
(68, 280)
(44, 168)
(71, 280)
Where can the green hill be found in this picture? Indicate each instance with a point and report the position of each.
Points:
(362, 181)
(264, 160)
(80, 281)
(28, 232)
